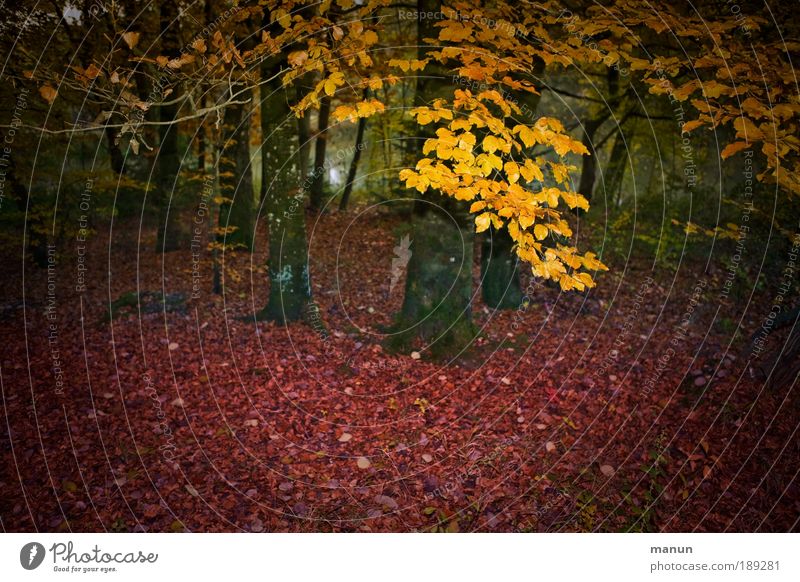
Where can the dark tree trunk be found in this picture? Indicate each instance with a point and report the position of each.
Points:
(589, 163)
(116, 159)
(201, 147)
(290, 283)
(304, 138)
(500, 286)
(168, 163)
(436, 308)
(617, 164)
(317, 192)
(238, 211)
(351, 174)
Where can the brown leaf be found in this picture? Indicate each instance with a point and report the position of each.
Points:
(131, 39)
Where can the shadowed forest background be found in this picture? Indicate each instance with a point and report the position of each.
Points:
(363, 265)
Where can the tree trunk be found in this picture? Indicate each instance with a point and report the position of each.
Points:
(304, 139)
(595, 121)
(436, 308)
(351, 174)
(500, 285)
(116, 159)
(168, 163)
(617, 164)
(589, 163)
(238, 211)
(317, 192)
(201, 147)
(290, 282)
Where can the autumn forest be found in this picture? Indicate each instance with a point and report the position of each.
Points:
(391, 266)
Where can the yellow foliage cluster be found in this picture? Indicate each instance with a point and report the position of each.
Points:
(490, 172)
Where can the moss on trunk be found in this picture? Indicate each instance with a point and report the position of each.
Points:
(436, 312)
(290, 283)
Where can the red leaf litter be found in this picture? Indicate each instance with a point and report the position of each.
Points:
(598, 412)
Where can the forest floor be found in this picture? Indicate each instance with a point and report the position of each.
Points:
(598, 412)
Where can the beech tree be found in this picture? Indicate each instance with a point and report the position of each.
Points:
(484, 163)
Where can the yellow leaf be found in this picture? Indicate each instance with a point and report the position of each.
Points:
(560, 172)
(483, 221)
(402, 64)
(282, 17)
(491, 144)
(540, 232)
(530, 171)
(332, 82)
(525, 220)
(573, 200)
(526, 134)
(344, 112)
(464, 124)
(369, 38)
(423, 114)
(455, 31)
(512, 171)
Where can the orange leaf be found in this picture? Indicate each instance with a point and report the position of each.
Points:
(48, 93)
(131, 39)
(733, 148)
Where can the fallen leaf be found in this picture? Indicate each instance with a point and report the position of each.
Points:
(607, 470)
(386, 502)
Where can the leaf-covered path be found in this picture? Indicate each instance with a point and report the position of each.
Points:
(572, 413)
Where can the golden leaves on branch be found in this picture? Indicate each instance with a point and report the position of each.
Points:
(409, 65)
(485, 172)
(363, 109)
